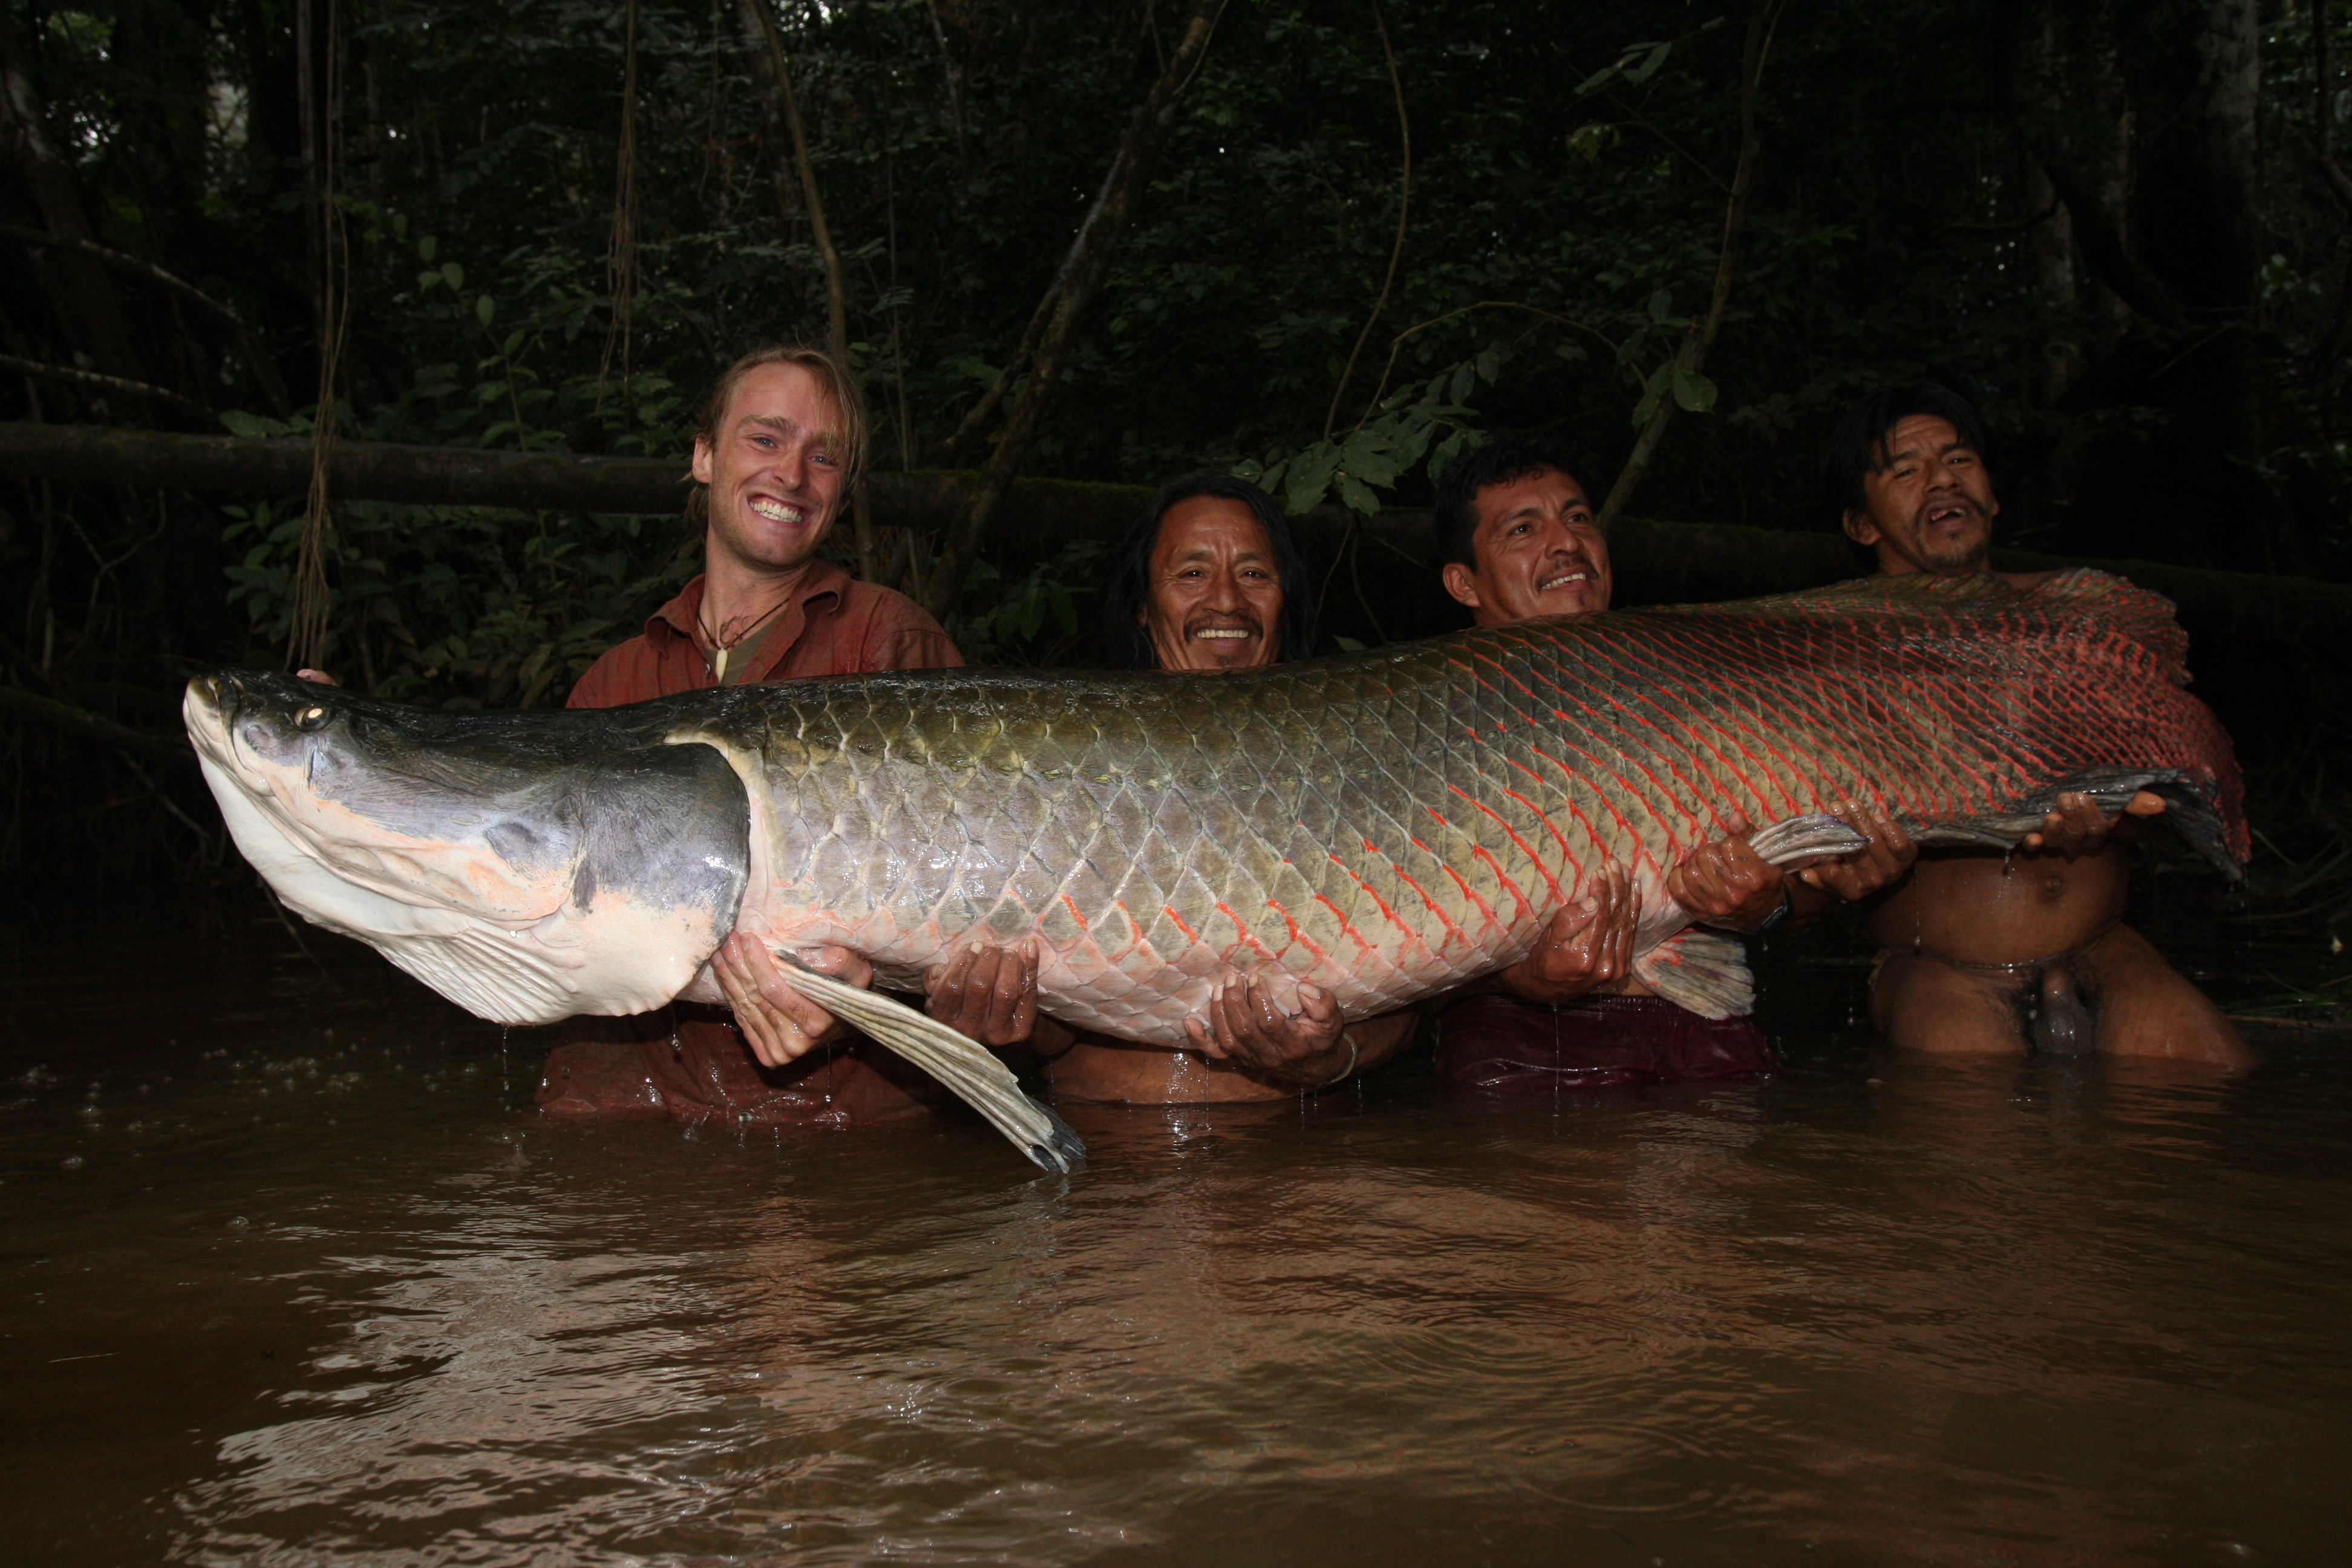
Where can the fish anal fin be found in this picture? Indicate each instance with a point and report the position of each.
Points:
(957, 1062)
(1700, 972)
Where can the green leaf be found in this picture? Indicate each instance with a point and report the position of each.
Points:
(1596, 81)
(1465, 379)
(1490, 366)
(1636, 75)
(1358, 494)
(1348, 645)
(1660, 380)
(426, 247)
(453, 274)
(1693, 391)
(1366, 456)
(1661, 304)
(1248, 469)
(483, 309)
(250, 425)
(1310, 476)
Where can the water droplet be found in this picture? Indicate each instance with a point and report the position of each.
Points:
(72, 1161)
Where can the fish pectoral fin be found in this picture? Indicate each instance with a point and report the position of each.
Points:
(977, 1077)
(1799, 837)
(1702, 972)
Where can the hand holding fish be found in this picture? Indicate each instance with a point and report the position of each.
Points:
(779, 1023)
(1588, 945)
(1727, 885)
(986, 991)
(2078, 827)
(1242, 1026)
(1885, 860)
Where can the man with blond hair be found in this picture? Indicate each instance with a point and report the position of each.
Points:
(781, 437)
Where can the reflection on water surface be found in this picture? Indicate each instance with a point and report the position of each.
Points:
(294, 1277)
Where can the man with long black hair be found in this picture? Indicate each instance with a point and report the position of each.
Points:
(1986, 952)
(1209, 580)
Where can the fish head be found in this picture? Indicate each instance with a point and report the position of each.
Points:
(525, 866)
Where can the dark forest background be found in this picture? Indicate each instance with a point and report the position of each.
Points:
(1106, 241)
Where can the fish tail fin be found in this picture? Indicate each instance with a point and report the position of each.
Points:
(1700, 972)
(2191, 810)
(981, 1080)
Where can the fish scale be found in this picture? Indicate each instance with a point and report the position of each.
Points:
(1389, 824)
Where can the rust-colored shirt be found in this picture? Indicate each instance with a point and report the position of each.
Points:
(833, 624)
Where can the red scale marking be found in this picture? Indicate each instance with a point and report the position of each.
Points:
(1298, 937)
(1190, 935)
(1346, 926)
(1525, 907)
(1372, 893)
(1532, 857)
(1071, 904)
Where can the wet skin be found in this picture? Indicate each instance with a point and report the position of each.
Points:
(1929, 507)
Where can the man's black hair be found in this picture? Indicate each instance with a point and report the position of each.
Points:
(1499, 462)
(1858, 447)
(1127, 643)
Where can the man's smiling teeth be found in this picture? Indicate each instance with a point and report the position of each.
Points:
(1222, 632)
(777, 512)
(1547, 588)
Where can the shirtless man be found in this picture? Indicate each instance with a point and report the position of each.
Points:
(1521, 542)
(1988, 953)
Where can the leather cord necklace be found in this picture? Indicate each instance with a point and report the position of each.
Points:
(717, 662)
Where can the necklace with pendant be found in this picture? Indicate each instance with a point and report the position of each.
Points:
(717, 662)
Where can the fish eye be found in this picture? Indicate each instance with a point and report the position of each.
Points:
(311, 718)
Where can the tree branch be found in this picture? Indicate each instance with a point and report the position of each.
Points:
(760, 21)
(1083, 272)
(91, 381)
(1760, 28)
(66, 719)
(1405, 210)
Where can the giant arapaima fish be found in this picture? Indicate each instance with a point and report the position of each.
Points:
(1385, 824)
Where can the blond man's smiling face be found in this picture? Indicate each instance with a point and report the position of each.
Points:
(773, 470)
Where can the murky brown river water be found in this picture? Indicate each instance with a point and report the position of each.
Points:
(293, 1276)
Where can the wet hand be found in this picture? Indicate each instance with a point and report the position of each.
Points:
(318, 677)
(1587, 945)
(779, 1023)
(1728, 884)
(1884, 861)
(2078, 827)
(986, 991)
(1241, 1026)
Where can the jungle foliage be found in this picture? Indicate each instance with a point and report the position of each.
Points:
(1367, 235)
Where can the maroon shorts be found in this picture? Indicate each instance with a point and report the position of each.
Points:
(1594, 1042)
(689, 1062)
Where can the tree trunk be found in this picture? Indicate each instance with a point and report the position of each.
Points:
(1081, 275)
(1703, 333)
(767, 45)
(88, 309)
